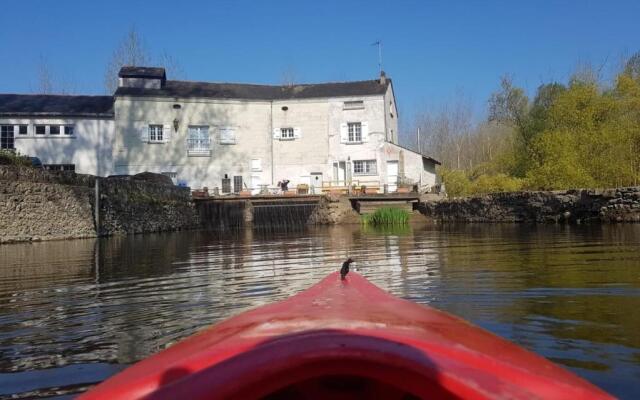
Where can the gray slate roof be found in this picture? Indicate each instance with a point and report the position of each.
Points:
(55, 105)
(190, 89)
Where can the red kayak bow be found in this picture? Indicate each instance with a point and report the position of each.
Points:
(345, 339)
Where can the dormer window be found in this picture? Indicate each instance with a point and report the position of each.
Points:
(353, 105)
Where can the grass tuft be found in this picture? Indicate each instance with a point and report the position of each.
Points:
(386, 216)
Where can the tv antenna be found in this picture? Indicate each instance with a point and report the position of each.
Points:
(379, 44)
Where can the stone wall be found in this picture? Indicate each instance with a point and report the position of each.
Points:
(333, 210)
(128, 206)
(571, 206)
(42, 205)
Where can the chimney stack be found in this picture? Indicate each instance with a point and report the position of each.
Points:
(383, 78)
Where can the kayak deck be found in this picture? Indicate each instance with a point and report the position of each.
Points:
(345, 339)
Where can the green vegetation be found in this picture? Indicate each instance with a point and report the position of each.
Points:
(583, 133)
(8, 157)
(386, 216)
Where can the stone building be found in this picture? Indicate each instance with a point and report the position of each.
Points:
(247, 135)
(231, 136)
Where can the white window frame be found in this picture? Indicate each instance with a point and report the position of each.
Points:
(26, 131)
(10, 137)
(365, 167)
(59, 129)
(156, 133)
(354, 132)
(35, 129)
(287, 133)
(198, 140)
(73, 130)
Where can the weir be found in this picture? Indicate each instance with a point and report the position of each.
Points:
(258, 211)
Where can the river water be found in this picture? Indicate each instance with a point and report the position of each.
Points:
(73, 313)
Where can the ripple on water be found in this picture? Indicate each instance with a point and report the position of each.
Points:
(75, 312)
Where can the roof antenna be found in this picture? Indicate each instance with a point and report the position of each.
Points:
(379, 44)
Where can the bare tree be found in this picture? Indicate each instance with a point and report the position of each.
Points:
(45, 77)
(170, 63)
(130, 51)
(289, 76)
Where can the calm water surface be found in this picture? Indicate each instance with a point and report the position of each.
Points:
(73, 313)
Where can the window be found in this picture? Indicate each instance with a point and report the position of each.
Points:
(226, 185)
(198, 142)
(286, 133)
(353, 105)
(365, 167)
(6, 137)
(54, 129)
(227, 136)
(41, 129)
(68, 130)
(355, 131)
(256, 164)
(22, 129)
(155, 133)
(237, 184)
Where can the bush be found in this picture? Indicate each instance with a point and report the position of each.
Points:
(496, 183)
(8, 157)
(456, 182)
(386, 216)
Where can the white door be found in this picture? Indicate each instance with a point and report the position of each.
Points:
(340, 172)
(256, 181)
(316, 181)
(392, 175)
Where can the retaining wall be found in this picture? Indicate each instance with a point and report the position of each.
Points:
(43, 205)
(571, 206)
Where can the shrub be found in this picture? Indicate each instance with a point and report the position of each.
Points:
(8, 157)
(386, 216)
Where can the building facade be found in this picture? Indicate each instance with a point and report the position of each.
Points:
(73, 133)
(234, 137)
(241, 137)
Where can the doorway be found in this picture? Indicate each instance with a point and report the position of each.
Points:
(316, 180)
(392, 175)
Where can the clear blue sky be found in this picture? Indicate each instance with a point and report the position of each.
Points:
(432, 50)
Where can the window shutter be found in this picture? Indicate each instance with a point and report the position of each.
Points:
(365, 131)
(166, 133)
(297, 133)
(276, 133)
(227, 136)
(344, 134)
(144, 134)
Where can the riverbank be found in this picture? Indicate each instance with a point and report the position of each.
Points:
(570, 206)
(38, 205)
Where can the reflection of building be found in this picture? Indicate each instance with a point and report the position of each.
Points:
(202, 133)
(64, 132)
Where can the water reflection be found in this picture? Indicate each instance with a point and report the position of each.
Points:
(74, 312)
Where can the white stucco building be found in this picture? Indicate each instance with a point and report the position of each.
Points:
(241, 136)
(65, 132)
(231, 136)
